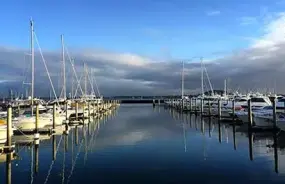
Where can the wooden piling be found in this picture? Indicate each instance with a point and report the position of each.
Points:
(219, 110)
(209, 108)
(76, 111)
(202, 107)
(53, 116)
(9, 127)
(249, 112)
(274, 113)
(88, 110)
(190, 105)
(195, 105)
(233, 109)
(66, 111)
(37, 118)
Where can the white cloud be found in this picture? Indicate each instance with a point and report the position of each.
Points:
(274, 33)
(213, 13)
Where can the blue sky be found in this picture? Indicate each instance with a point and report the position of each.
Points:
(122, 40)
(181, 28)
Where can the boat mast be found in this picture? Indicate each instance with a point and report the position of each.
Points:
(202, 78)
(33, 64)
(182, 82)
(63, 65)
(225, 87)
(85, 80)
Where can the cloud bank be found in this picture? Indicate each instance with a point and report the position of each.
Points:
(258, 67)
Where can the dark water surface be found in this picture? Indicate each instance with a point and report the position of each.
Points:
(139, 144)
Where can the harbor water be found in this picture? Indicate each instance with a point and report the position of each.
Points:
(140, 144)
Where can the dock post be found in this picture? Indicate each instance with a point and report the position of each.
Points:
(93, 104)
(233, 109)
(202, 107)
(9, 128)
(53, 116)
(83, 115)
(249, 113)
(284, 106)
(219, 110)
(66, 112)
(76, 111)
(37, 118)
(209, 108)
(274, 113)
(158, 101)
(195, 105)
(190, 105)
(153, 103)
(89, 111)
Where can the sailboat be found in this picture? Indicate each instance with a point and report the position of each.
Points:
(27, 121)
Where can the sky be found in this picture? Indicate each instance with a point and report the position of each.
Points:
(137, 47)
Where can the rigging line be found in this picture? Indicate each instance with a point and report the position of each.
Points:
(96, 85)
(19, 151)
(78, 85)
(63, 165)
(72, 65)
(76, 157)
(90, 82)
(207, 76)
(52, 162)
(43, 59)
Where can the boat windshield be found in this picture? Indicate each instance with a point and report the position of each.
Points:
(268, 108)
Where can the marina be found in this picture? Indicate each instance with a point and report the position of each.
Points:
(157, 144)
(142, 92)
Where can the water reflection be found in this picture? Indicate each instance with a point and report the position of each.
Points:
(145, 144)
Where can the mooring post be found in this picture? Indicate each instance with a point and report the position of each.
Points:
(153, 103)
(9, 127)
(88, 110)
(195, 105)
(274, 113)
(93, 108)
(37, 118)
(209, 108)
(202, 106)
(249, 111)
(66, 112)
(190, 104)
(53, 116)
(284, 106)
(76, 111)
(233, 109)
(219, 110)
(83, 115)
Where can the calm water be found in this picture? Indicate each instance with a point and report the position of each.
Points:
(139, 144)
